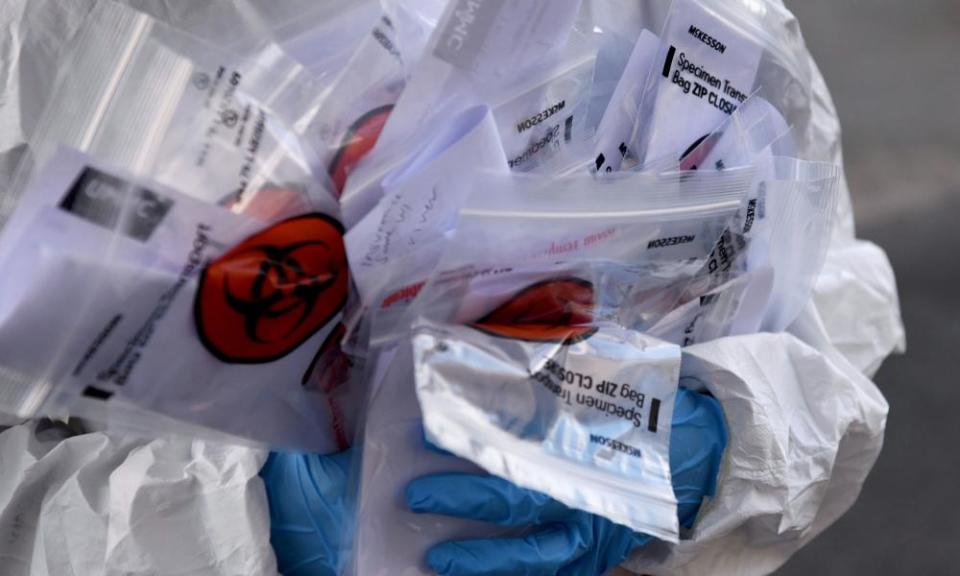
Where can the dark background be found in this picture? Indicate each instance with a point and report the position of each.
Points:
(894, 70)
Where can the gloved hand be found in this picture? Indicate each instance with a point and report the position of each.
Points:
(568, 542)
(309, 511)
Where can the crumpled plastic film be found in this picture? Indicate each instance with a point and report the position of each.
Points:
(856, 296)
(100, 504)
(32, 32)
(857, 273)
(788, 473)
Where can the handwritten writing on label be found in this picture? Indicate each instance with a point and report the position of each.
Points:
(402, 224)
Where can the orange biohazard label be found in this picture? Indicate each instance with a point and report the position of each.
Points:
(273, 291)
(358, 141)
(551, 311)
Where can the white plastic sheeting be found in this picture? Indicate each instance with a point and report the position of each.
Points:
(99, 504)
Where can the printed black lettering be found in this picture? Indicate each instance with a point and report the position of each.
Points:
(615, 445)
(707, 39)
(732, 92)
(608, 388)
(725, 253)
(97, 343)
(751, 215)
(721, 104)
(687, 66)
(123, 366)
(551, 136)
(673, 241)
(682, 82)
(253, 148)
(384, 41)
(540, 117)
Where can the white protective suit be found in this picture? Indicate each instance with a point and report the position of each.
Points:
(101, 504)
(806, 424)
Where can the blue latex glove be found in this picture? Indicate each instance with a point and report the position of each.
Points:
(309, 511)
(568, 542)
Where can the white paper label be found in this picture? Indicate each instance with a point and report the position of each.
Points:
(708, 71)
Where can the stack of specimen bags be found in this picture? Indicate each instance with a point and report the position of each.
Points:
(772, 504)
(638, 193)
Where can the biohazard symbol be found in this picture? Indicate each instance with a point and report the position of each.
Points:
(552, 311)
(273, 291)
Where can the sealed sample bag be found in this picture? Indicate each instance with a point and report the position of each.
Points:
(176, 252)
(581, 411)
(531, 360)
(541, 280)
(522, 59)
(390, 539)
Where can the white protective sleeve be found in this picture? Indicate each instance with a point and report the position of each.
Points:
(788, 473)
(806, 424)
(857, 277)
(100, 504)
